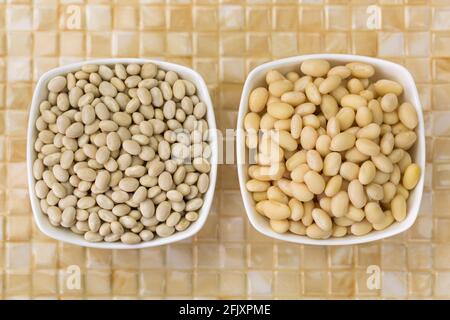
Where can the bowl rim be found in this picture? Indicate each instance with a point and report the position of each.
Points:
(241, 150)
(65, 235)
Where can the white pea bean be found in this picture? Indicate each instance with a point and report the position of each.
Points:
(339, 204)
(342, 141)
(356, 194)
(322, 219)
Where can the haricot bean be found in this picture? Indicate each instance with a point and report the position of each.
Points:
(332, 157)
(113, 148)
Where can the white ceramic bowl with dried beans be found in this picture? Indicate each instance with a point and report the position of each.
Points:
(265, 194)
(115, 218)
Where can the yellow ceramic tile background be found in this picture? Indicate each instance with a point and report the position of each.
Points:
(223, 40)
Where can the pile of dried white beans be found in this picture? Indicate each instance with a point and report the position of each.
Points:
(331, 150)
(122, 153)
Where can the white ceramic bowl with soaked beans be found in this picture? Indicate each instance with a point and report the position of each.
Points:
(286, 230)
(66, 235)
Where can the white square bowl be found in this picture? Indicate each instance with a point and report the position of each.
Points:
(383, 69)
(62, 234)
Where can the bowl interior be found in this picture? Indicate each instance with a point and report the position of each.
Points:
(66, 235)
(384, 69)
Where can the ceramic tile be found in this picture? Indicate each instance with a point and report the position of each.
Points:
(233, 283)
(152, 258)
(392, 18)
(440, 228)
(16, 150)
(19, 43)
(125, 259)
(420, 284)
(419, 68)
(287, 256)
(315, 283)
(440, 208)
(210, 231)
(441, 70)
(440, 93)
(284, 44)
(342, 283)
(152, 17)
(368, 254)
(100, 259)
(232, 44)
(442, 284)
(205, 18)
(258, 18)
(314, 257)
(440, 44)
(337, 17)
(98, 282)
(394, 284)
(442, 256)
(231, 17)
(336, 42)
(70, 255)
(19, 17)
(124, 283)
(98, 17)
(258, 44)
(125, 44)
(18, 228)
(391, 44)
(417, 17)
(208, 255)
(341, 256)
(418, 44)
(261, 257)
(179, 44)
(360, 18)
(44, 283)
(420, 256)
(179, 283)
(287, 284)
(18, 256)
(152, 283)
(259, 283)
(179, 256)
(125, 17)
(71, 44)
(441, 18)
(366, 284)
(440, 151)
(179, 18)
(422, 229)
(44, 255)
(233, 256)
(98, 44)
(152, 43)
(206, 45)
(310, 18)
(206, 284)
(19, 69)
(45, 43)
(17, 285)
(232, 70)
(309, 43)
(284, 18)
(18, 203)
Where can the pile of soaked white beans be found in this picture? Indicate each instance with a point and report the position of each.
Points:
(331, 150)
(122, 153)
